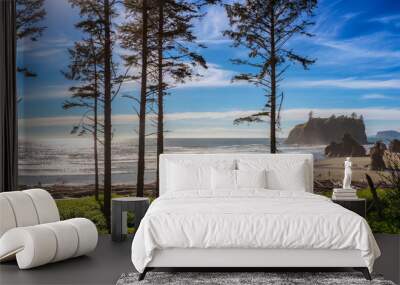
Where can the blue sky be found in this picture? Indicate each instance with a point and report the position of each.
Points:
(356, 44)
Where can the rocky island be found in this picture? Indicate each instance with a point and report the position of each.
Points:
(317, 131)
(388, 135)
(347, 147)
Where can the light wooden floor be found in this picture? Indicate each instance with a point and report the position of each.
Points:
(110, 260)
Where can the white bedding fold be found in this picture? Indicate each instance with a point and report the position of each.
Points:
(250, 219)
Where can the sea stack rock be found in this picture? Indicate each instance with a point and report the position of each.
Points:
(347, 147)
(376, 153)
(326, 130)
(394, 146)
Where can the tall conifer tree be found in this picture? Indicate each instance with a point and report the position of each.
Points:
(86, 68)
(159, 36)
(102, 13)
(137, 37)
(176, 39)
(264, 27)
(29, 14)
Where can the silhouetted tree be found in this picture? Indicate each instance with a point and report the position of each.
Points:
(143, 97)
(101, 13)
(86, 67)
(158, 35)
(176, 60)
(310, 115)
(134, 34)
(29, 14)
(264, 27)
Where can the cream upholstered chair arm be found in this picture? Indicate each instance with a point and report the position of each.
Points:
(31, 231)
(32, 246)
(41, 244)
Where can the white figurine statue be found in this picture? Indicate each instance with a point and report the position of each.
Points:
(347, 174)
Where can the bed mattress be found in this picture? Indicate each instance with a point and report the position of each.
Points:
(250, 219)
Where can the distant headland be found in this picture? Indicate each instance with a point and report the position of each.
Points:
(388, 135)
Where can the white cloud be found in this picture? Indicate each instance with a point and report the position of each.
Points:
(346, 83)
(213, 76)
(380, 114)
(350, 16)
(46, 52)
(299, 114)
(217, 132)
(131, 118)
(55, 91)
(373, 96)
(44, 47)
(210, 28)
(387, 19)
(369, 47)
(379, 49)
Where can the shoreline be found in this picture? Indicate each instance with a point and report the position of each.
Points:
(328, 174)
(75, 191)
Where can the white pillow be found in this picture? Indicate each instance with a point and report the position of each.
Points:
(223, 179)
(291, 177)
(283, 174)
(251, 179)
(194, 174)
(184, 178)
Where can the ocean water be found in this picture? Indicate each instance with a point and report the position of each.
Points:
(70, 161)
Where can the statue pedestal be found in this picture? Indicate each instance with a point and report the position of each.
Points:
(344, 194)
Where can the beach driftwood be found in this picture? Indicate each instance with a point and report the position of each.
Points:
(76, 191)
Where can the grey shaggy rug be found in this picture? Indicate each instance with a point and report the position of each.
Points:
(243, 278)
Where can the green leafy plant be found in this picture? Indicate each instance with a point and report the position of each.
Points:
(88, 207)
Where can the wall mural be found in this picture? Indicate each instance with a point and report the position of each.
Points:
(104, 87)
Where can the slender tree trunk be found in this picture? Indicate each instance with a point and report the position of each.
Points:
(107, 113)
(160, 118)
(273, 82)
(96, 158)
(142, 111)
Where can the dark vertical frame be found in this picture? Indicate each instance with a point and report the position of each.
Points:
(8, 98)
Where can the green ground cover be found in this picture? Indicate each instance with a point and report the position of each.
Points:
(390, 222)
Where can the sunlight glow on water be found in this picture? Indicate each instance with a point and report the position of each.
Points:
(71, 162)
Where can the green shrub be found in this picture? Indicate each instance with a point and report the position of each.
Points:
(390, 200)
(88, 207)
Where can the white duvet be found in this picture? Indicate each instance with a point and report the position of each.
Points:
(250, 219)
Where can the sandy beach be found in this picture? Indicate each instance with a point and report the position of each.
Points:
(332, 169)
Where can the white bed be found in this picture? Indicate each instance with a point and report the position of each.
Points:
(248, 227)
